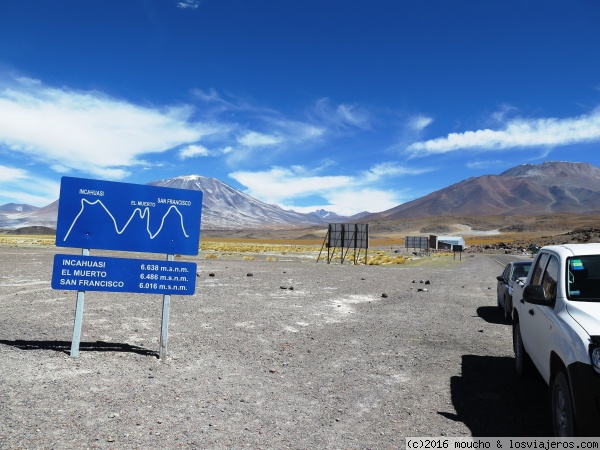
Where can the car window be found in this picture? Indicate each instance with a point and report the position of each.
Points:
(583, 278)
(539, 268)
(550, 280)
(520, 270)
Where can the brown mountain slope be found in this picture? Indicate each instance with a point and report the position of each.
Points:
(551, 187)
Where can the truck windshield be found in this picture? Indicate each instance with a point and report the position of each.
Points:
(583, 278)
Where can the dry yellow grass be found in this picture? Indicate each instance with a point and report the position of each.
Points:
(392, 241)
(233, 246)
(26, 239)
(504, 237)
(259, 241)
(382, 259)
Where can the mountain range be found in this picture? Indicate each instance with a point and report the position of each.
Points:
(528, 189)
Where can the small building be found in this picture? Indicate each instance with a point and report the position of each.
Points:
(446, 242)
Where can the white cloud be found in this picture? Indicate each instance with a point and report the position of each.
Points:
(352, 115)
(188, 4)
(88, 131)
(256, 139)
(500, 116)
(343, 115)
(279, 184)
(59, 168)
(26, 198)
(10, 173)
(297, 132)
(388, 169)
(23, 188)
(518, 133)
(215, 103)
(275, 128)
(193, 150)
(484, 164)
(353, 201)
(419, 123)
(346, 195)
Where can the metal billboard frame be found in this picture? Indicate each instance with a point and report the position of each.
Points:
(344, 237)
(416, 242)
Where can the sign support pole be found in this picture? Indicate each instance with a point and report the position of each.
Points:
(78, 316)
(164, 327)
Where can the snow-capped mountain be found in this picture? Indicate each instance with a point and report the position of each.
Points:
(224, 207)
(18, 216)
(326, 215)
(331, 217)
(15, 208)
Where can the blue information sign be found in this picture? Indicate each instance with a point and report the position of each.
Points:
(145, 276)
(95, 214)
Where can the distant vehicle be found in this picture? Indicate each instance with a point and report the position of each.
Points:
(556, 330)
(512, 272)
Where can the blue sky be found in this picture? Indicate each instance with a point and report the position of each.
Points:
(345, 105)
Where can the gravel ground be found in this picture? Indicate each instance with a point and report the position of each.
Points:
(297, 355)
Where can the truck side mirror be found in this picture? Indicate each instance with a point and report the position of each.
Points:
(534, 294)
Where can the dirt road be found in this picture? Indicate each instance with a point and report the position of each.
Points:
(266, 354)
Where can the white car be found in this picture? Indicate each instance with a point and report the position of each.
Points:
(556, 329)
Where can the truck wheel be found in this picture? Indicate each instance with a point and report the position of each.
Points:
(523, 364)
(562, 407)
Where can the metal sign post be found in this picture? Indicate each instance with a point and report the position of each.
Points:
(164, 325)
(459, 249)
(78, 316)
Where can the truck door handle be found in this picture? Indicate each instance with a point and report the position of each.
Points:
(531, 313)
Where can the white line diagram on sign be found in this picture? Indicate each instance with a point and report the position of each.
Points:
(143, 214)
(108, 215)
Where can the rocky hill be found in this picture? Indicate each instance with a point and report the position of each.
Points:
(528, 189)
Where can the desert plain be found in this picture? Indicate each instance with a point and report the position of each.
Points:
(274, 350)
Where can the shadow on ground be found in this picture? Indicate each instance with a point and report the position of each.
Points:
(491, 314)
(65, 346)
(492, 401)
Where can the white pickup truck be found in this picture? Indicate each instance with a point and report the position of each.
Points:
(556, 329)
